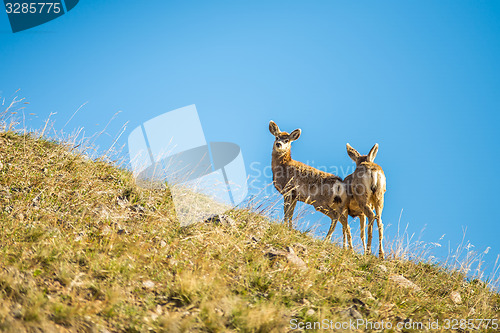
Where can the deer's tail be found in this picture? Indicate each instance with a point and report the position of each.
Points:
(377, 181)
(339, 193)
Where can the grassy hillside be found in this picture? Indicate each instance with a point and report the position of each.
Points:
(83, 249)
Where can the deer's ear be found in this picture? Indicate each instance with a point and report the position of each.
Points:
(295, 134)
(273, 128)
(373, 153)
(353, 153)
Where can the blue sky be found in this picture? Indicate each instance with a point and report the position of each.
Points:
(420, 78)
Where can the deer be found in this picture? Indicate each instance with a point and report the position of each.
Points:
(366, 187)
(297, 181)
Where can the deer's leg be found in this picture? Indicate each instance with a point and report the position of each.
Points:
(346, 231)
(362, 221)
(380, 226)
(332, 215)
(344, 237)
(371, 218)
(330, 231)
(289, 207)
(335, 218)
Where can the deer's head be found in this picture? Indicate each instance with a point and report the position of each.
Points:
(283, 142)
(358, 158)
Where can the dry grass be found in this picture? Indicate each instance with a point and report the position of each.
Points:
(84, 249)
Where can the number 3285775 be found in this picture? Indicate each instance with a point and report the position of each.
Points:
(33, 8)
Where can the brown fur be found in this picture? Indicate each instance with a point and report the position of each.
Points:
(366, 187)
(297, 181)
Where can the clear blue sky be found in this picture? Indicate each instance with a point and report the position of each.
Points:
(421, 78)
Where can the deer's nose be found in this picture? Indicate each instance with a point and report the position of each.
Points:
(278, 144)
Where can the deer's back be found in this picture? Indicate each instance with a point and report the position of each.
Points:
(368, 180)
(309, 184)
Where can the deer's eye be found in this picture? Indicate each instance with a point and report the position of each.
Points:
(285, 141)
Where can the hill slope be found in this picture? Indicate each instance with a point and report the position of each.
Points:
(83, 249)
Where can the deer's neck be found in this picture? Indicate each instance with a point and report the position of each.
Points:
(281, 159)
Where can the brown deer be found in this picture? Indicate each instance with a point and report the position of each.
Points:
(365, 188)
(297, 181)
